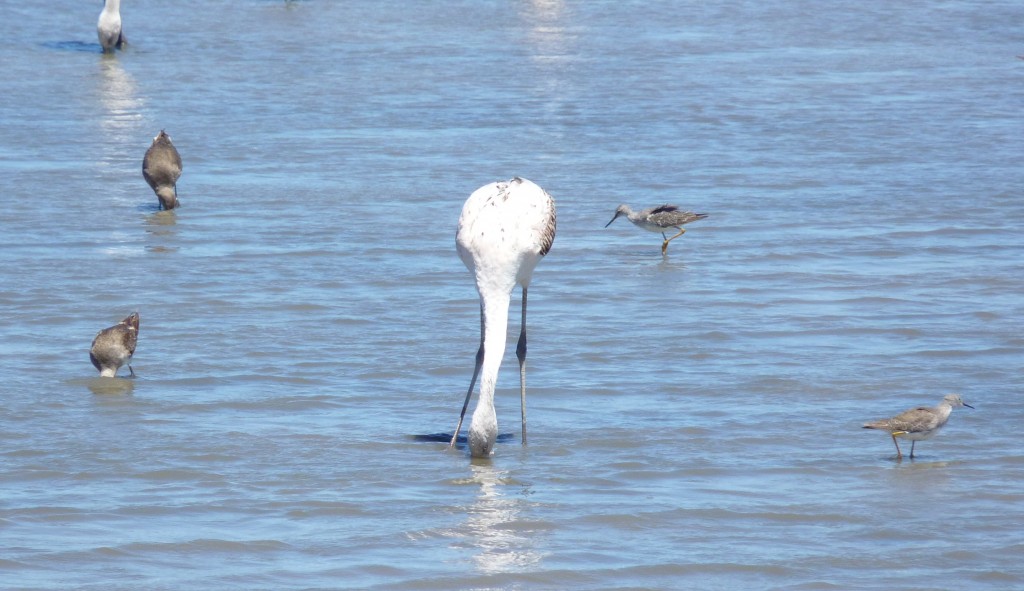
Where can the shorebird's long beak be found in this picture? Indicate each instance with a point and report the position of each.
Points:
(967, 405)
(617, 214)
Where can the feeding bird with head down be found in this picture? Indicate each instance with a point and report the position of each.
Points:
(504, 230)
(161, 167)
(114, 346)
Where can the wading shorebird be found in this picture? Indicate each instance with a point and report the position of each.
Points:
(114, 346)
(918, 424)
(161, 167)
(504, 231)
(108, 28)
(659, 219)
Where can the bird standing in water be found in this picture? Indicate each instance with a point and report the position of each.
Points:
(108, 29)
(659, 219)
(504, 231)
(114, 346)
(161, 167)
(919, 423)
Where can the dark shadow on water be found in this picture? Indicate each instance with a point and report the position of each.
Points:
(79, 46)
(87, 47)
(152, 205)
(460, 442)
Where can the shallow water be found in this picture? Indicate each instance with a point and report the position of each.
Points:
(694, 418)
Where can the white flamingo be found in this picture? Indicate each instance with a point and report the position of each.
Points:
(504, 230)
(109, 26)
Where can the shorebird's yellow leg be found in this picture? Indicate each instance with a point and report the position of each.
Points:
(664, 245)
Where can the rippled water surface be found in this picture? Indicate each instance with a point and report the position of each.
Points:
(307, 328)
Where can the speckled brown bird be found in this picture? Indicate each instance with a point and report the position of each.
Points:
(114, 346)
(659, 219)
(918, 424)
(161, 168)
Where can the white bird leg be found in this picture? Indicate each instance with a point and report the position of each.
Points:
(472, 382)
(521, 354)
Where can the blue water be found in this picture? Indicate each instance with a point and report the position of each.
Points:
(307, 326)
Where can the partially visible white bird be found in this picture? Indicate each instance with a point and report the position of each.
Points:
(504, 230)
(109, 27)
(918, 424)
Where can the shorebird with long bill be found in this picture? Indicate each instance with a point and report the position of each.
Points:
(659, 219)
(918, 424)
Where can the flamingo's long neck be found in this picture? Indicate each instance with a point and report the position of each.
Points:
(483, 430)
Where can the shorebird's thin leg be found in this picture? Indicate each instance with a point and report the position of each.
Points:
(132, 371)
(664, 245)
(912, 449)
(681, 232)
(899, 454)
(472, 382)
(521, 354)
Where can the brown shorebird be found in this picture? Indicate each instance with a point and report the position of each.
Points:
(918, 423)
(161, 167)
(659, 219)
(114, 346)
